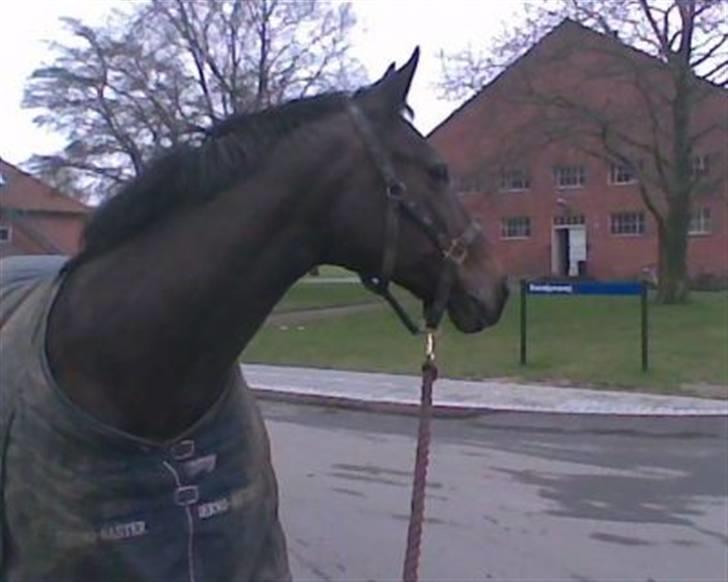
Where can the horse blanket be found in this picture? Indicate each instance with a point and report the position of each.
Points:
(83, 502)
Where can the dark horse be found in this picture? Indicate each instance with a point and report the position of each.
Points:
(131, 447)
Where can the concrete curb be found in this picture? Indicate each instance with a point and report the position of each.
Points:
(400, 394)
(378, 406)
(440, 410)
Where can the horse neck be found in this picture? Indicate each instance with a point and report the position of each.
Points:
(145, 336)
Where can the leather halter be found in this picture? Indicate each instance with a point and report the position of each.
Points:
(454, 250)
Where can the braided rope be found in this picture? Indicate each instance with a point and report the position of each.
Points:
(417, 505)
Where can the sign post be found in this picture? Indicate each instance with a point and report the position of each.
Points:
(524, 285)
(645, 335)
(585, 288)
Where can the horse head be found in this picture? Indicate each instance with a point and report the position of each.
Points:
(398, 219)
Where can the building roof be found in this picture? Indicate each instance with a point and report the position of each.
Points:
(479, 95)
(566, 31)
(21, 191)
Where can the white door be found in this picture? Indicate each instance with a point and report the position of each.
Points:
(577, 248)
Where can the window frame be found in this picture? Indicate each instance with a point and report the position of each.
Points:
(703, 216)
(614, 171)
(8, 238)
(509, 175)
(699, 166)
(566, 220)
(580, 172)
(510, 228)
(641, 222)
(467, 186)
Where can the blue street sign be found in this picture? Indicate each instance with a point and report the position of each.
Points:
(585, 288)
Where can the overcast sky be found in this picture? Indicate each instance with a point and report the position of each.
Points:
(387, 30)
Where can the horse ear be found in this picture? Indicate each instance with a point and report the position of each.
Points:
(391, 70)
(406, 74)
(390, 92)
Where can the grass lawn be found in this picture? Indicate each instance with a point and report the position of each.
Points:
(332, 271)
(582, 340)
(320, 295)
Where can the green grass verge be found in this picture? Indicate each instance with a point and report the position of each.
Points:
(304, 296)
(582, 340)
(334, 272)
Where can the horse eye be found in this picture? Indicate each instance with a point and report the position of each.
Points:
(439, 173)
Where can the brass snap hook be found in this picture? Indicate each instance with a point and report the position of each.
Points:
(430, 344)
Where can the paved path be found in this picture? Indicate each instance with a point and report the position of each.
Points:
(399, 393)
(511, 497)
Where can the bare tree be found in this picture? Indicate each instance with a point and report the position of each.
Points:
(154, 77)
(680, 65)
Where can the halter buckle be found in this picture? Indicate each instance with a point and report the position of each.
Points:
(457, 252)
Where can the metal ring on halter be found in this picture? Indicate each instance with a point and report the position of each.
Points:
(396, 190)
(457, 253)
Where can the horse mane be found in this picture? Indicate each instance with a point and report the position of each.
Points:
(188, 175)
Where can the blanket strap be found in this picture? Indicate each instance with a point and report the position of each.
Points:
(5, 425)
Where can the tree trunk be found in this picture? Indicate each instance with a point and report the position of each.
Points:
(673, 283)
(672, 286)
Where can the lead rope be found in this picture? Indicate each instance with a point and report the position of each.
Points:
(417, 504)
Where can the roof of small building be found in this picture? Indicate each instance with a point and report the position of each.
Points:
(21, 191)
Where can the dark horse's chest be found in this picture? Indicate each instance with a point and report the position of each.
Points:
(81, 501)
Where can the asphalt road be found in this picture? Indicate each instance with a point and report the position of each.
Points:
(511, 496)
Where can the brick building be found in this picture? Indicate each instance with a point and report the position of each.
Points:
(35, 218)
(551, 201)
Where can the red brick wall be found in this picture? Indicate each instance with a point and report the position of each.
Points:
(708, 254)
(19, 243)
(609, 256)
(489, 131)
(42, 219)
(62, 230)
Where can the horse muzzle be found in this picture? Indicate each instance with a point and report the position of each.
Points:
(472, 312)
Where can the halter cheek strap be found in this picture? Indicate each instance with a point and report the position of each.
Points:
(454, 250)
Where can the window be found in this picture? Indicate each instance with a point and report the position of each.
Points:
(569, 220)
(516, 227)
(514, 180)
(628, 223)
(621, 174)
(468, 185)
(570, 176)
(700, 166)
(699, 221)
(3, 181)
(5, 234)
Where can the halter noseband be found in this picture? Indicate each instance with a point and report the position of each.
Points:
(454, 250)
